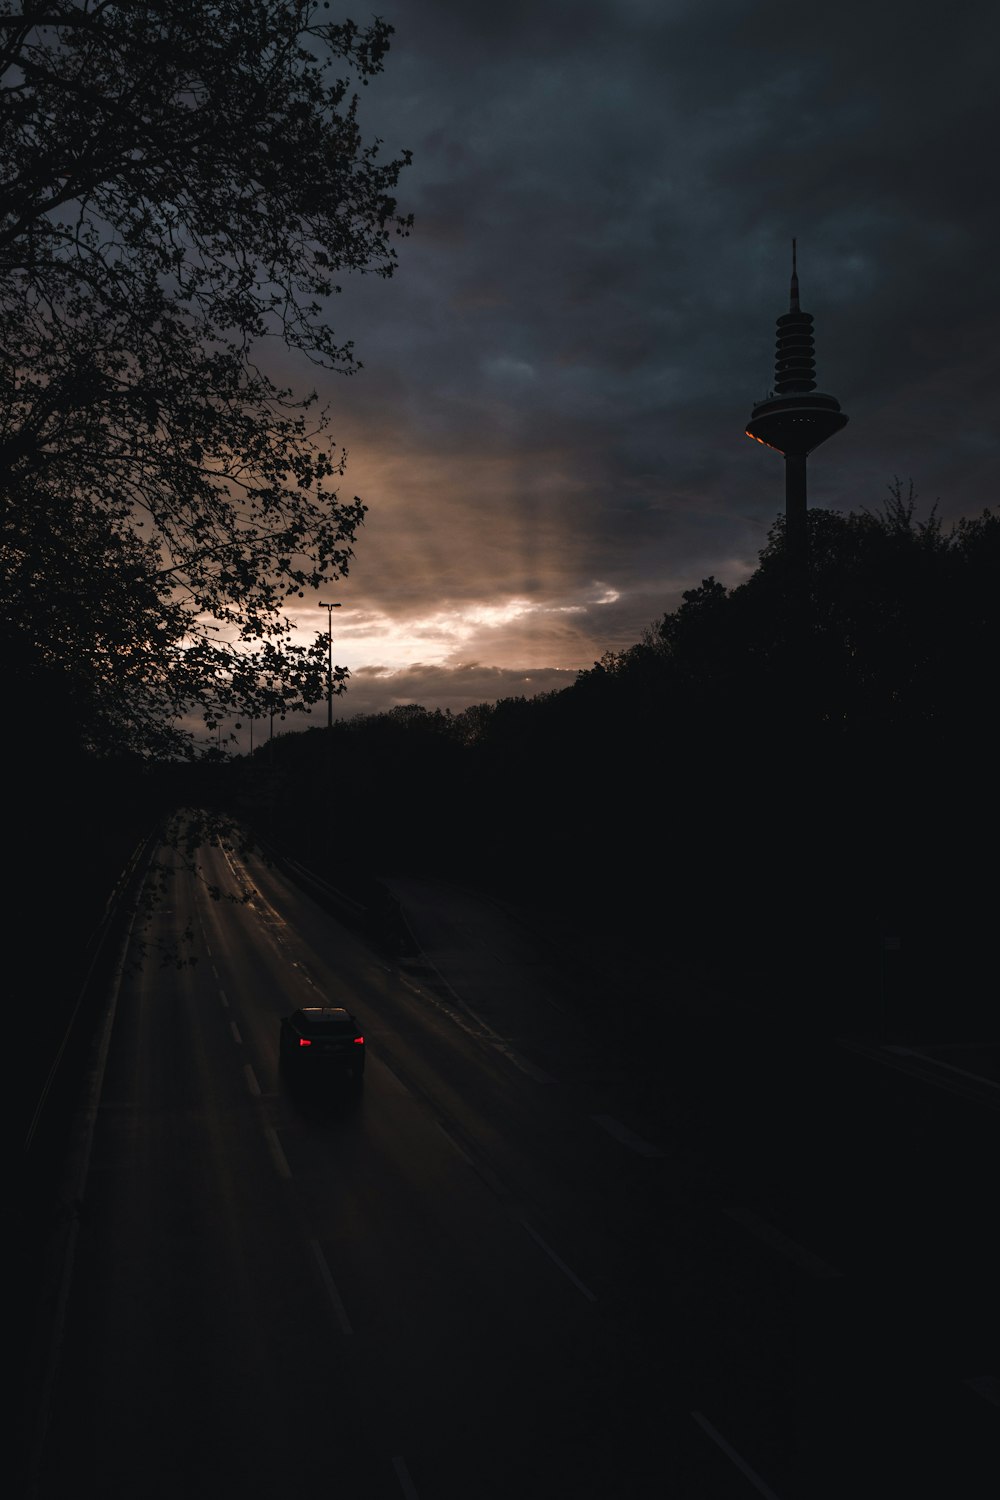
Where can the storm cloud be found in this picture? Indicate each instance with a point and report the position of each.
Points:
(549, 426)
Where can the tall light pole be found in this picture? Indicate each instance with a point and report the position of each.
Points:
(329, 661)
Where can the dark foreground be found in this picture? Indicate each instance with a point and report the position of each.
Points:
(536, 1256)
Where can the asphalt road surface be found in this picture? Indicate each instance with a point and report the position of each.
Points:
(528, 1260)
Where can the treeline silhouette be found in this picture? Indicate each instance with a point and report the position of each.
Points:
(777, 808)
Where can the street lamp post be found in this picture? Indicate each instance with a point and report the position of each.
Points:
(329, 662)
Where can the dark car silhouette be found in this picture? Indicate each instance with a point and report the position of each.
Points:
(322, 1041)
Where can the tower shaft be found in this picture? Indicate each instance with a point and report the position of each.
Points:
(795, 507)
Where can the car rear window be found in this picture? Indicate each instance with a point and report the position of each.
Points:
(326, 1022)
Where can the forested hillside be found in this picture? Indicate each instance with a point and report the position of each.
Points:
(775, 805)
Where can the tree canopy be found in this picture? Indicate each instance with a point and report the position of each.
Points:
(181, 184)
(749, 798)
(899, 633)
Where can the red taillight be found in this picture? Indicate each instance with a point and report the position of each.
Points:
(359, 1041)
(305, 1041)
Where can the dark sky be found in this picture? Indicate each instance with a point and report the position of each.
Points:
(549, 428)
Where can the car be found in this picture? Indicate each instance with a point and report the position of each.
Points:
(322, 1041)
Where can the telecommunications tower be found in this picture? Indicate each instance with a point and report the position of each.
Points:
(795, 418)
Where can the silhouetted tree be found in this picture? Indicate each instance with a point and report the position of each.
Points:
(690, 812)
(180, 185)
(902, 621)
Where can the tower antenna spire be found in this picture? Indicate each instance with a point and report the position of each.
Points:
(793, 305)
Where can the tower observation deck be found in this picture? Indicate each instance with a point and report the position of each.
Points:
(795, 418)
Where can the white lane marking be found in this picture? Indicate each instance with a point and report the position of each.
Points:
(733, 1456)
(627, 1137)
(77, 1187)
(235, 1030)
(780, 1242)
(330, 1287)
(448, 1010)
(256, 900)
(394, 1079)
(987, 1386)
(405, 1482)
(903, 1060)
(481, 1030)
(251, 1078)
(278, 1155)
(454, 1144)
(238, 871)
(215, 972)
(225, 999)
(538, 1074)
(484, 1173)
(585, 1290)
(486, 1031)
(262, 906)
(990, 1083)
(463, 1004)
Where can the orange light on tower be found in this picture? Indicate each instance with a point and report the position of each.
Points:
(795, 418)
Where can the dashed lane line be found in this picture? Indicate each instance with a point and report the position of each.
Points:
(557, 1261)
(720, 1442)
(789, 1248)
(403, 1475)
(987, 1386)
(454, 1145)
(627, 1137)
(330, 1287)
(937, 1062)
(919, 1065)
(538, 1074)
(78, 1171)
(277, 1154)
(485, 1031)
(485, 1174)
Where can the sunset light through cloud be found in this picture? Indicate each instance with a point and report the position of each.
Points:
(548, 430)
(520, 638)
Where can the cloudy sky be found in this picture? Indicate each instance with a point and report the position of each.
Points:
(549, 425)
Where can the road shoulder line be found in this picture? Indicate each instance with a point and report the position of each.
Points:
(627, 1137)
(731, 1453)
(789, 1248)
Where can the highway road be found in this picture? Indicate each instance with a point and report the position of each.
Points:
(527, 1260)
